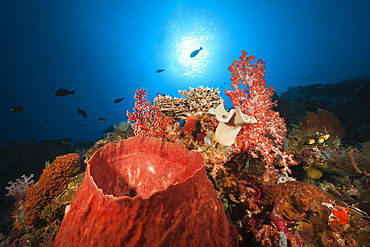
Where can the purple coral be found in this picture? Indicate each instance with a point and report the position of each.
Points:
(305, 155)
(19, 188)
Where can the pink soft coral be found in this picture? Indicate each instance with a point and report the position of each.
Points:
(266, 137)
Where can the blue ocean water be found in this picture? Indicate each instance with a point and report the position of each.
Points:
(107, 50)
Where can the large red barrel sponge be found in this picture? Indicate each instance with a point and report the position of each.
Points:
(146, 192)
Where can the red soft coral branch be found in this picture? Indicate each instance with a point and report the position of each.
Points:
(266, 137)
(149, 121)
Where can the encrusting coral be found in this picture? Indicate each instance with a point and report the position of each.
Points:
(52, 182)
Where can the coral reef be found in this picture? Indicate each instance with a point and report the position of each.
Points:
(347, 100)
(326, 203)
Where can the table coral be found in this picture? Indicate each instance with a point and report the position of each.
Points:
(196, 102)
(146, 192)
(52, 182)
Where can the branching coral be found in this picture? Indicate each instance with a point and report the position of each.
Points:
(149, 121)
(196, 101)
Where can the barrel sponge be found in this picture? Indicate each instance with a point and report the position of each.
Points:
(143, 191)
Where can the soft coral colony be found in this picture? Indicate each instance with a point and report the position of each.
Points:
(267, 135)
(263, 137)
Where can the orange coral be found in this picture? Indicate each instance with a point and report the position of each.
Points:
(190, 125)
(341, 215)
(323, 120)
(52, 182)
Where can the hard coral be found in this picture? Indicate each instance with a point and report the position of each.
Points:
(267, 236)
(302, 200)
(250, 197)
(197, 101)
(52, 182)
(146, 192)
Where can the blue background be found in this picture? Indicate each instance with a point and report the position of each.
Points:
(107, 49)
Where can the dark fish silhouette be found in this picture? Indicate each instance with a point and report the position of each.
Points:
(46, 121)
(160, 70)
(82, 112)
(194, 53)
(82, 125)
(17, 108)
(31, 140)
(101, 120)
(64, 92)
(118, 100)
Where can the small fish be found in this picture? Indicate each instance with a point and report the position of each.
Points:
(82, 112)
(159, 94)
(64, 92)
(311, 141)
(119, 100)
(82, 125)
(323, 138)
(66, 141)
(232, 197)
(160, 70)
(31, 140)
(17, 108)
(194, 53)
(101, 120)
(46, 121)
